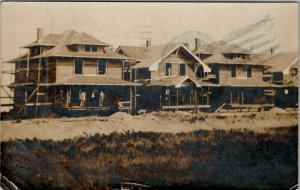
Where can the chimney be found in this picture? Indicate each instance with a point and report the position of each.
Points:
(187, 45)
(197, 43)
(148, 43)
(271, 51)
(39, 34)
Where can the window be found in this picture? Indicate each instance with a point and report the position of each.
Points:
(249, 72)
(200, 72)
(168, 69)
(233, 71)
(94, 48)
(35, 51)
(89, 48)
(73, 48)
(78, 66)
(44, 63)
(182, 69)
(101, 67)
(294, 72)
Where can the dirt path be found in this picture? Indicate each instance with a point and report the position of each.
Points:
(62, 128)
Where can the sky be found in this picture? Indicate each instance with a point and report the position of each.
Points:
(131, 23)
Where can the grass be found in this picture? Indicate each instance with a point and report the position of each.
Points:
(199, 159)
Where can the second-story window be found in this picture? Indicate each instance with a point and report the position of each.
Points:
(78, 66)
(249, 72)
(101, 67)
(168, 69)
(233, 71)
(182, 70)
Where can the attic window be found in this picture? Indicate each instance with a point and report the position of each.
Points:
(294, 72)
(90, 48)
(87, 48)
(73, 48)
(94, 48)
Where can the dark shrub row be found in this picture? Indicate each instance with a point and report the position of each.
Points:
(217, 158)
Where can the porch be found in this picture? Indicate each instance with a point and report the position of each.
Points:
(238, 99)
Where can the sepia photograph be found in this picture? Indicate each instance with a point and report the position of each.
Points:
(149, 95)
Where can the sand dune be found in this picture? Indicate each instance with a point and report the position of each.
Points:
(64, 128)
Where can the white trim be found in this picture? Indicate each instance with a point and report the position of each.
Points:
(154, 66)
(286, 71)
(185, 78)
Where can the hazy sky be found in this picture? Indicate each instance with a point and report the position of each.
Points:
(128, 23)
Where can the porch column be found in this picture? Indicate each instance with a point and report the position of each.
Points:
(25, 98)
(177, 98)
(242, 97)
(134, 94)
(208, 96)
(36, 101)
(130, 89)
(159, 101)
(231, 97)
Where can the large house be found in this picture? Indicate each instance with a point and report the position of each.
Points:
(239, 76)
(283, 70)
(173, 77)
(68, 71)
(75, 73)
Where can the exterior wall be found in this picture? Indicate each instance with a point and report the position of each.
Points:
(90, 67)
(241, 74)
(20, 76)
(51, 70)
(64, 68)
(114, 68)
(176, 61)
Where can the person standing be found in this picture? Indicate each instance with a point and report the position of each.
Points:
(82, 98)
(101, 98)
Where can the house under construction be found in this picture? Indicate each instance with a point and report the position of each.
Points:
(76, 74)
(69, 73)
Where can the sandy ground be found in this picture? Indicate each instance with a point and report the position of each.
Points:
(62, 128)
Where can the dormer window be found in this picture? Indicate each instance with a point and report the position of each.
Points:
(34, 51)
(73, 48)
(90, 48)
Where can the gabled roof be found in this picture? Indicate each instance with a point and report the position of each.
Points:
(136, 52)
(218, 49)
(61, 42)
(178, 81)
(221, 47)
(63, 52)
(85, 39)
(220, 58)
(153, 55)
(281, 62)
(73, 38)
